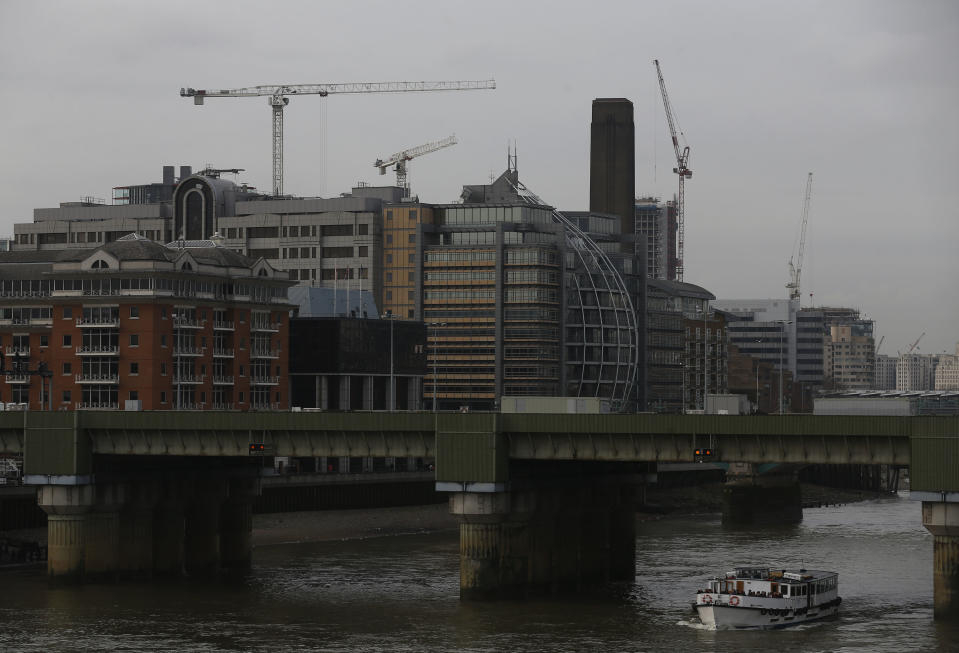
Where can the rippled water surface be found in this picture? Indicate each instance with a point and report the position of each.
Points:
(401, 594)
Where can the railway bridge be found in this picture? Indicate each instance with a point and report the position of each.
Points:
(544, 501)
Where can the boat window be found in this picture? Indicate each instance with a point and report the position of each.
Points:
(785, 590)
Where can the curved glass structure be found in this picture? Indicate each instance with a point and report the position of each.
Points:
(601, 331)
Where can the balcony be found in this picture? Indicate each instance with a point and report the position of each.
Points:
(98, 350)
(216, 406)
(219, 325)
(188, 351)
(265, 406)
(264, 352)
(99, 322)
(96, 406)
(187, 323)
(11, 352)
(264, 380)
(188, 379)
(223, 380)
(98, 379)
(221, 352)
(264, 326)
(17, 379)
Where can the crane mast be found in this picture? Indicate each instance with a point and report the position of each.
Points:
(795, 270)
(681, 169)
(400, 158)
(278, 98)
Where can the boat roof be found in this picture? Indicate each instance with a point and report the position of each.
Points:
(770, 573)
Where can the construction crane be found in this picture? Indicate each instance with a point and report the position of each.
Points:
(681, 169)
(278, 99)
(913, 345)
(400, 158)
(795, 270)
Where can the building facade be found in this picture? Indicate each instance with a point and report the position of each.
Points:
(656, 222)
(193, 325)
(849, 355)
(915, 372)
(947, 371)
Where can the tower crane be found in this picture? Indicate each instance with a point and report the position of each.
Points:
(278, 99)
(400, 158)
(681, 169)
(913, 345)
(795, 270)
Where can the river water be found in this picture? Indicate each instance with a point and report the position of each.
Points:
(400, 593)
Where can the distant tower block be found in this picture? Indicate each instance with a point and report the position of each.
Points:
(612, 160)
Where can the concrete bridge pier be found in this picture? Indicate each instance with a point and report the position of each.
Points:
(67, 507)
(236, 524)
(83, 535)
(169, 523)
(941, 518)
(554, 538)
(201, 545)
(751, 497)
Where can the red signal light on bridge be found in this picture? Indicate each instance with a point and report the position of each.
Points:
(257, 449)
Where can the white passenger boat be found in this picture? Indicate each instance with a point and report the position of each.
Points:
(760, 597)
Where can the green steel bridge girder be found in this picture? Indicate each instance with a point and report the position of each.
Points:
(477, 447)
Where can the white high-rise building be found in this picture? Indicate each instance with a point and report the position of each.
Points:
(915, 372)
(947, 371)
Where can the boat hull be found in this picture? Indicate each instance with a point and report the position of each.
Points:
(726, 617)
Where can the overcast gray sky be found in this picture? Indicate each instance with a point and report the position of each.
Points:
(863, 94)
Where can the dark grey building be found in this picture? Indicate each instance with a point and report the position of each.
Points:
(612, 161)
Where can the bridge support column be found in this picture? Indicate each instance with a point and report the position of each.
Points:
(750, 497)
(169, 529)
(202, 537)
(67, 507)
(82, 530)
(942, 520)
(236, 525)
(136, 530)
(543, 539)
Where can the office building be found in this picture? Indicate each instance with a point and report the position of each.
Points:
(947, 371)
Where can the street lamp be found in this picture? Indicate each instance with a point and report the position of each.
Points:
(758, 361)
(435, 361)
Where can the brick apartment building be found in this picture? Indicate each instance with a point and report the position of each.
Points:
(189, 325)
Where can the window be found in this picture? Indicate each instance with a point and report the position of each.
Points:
(66, 396)
(241, 398)
(362, 251)
(389, 295)
(162, 397)
(134, 369)
(66, 369)
(134, 340)
(412, 238)
(412, 258)
(163, 312)
(389, 276)
(134, 395)
(67, 340)
(67, 312)
(162, 369)
(134, 312)
(44, 340)
(363, 230)
(389, 215)
(202, 397)
(163, 340)
(389, 258)
(389, 239)
(241, 374)
(413, 214)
